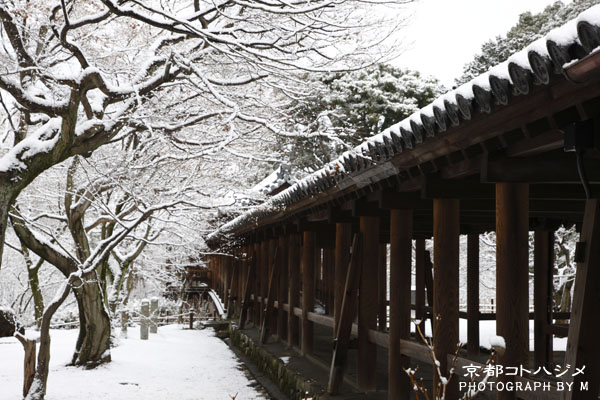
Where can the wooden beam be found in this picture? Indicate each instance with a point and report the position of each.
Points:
(400, 301)
(347, 313)
(293, 288)
(552, 167)
(512, 276)
(583, 347)
(308, 289)
(367, 304)
(434, 187)
(473, 295)
(446, 219)
(543, 264)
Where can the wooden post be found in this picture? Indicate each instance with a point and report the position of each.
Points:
(144, 314)
(308, 290)
(339, 360)
(154, 313)
(293, 288)
(543, 263)
(191, 319)
(367, 304)
(473, 294)
(343, 236)
(273, 280)
(512, 275)
(272, 261)
(382, 288)
(282, 292)
(258, 265)
(264, 270)
(446, 232)
(247, 288)
(401, 222)
(420, 282)
(583, 347)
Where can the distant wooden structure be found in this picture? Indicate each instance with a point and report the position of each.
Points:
(506, 155)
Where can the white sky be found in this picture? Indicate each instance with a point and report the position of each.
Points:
(443, 35)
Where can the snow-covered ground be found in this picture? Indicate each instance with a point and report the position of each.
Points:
(174, 364)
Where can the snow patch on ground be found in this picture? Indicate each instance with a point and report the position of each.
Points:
(173, 364)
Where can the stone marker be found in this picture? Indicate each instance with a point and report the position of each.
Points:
(154, 313)
(144, 319)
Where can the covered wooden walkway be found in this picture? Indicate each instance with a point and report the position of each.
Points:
(516, 150)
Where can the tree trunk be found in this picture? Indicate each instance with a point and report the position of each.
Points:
(5, 200)
(93, 343)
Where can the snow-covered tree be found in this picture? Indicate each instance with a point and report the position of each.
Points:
(529, 28)
(347, 107)
(77, 75)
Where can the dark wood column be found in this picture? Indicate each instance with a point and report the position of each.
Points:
(543, 264)
(293, 288)
(308, 289)
(343, 238)
(583, 347)
(473, 294)
(382, 288)
(258, 266)
(367, 304)
(512, 275)
(400, 301)
(446, 232)
(282, 292)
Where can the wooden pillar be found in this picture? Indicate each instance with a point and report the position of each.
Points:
(282, 292)
(583, 347)
(401, 222)
(258, 265)
(293, 288)
(420, 282)
(446, 232)
(512, 275)
(367, 304)
(264, 277)
(273, 251)
(473, 294)
(343, 238)
(382, 288)
(543, 263)
(308, 289)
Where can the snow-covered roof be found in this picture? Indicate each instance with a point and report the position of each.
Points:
(533, 65)
(281, 177)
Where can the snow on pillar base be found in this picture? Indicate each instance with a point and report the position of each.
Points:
(145, 313)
